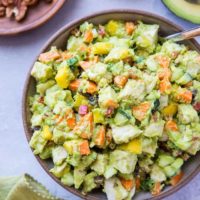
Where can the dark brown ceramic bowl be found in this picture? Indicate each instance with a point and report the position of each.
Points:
(191, 168)
(36, 16)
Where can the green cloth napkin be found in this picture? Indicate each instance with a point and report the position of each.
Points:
(23, 187)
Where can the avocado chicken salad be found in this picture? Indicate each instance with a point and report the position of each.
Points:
(117, 109)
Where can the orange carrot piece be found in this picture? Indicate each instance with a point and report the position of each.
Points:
(164, 73)
(129, 27)
(49, 56)
(66, 55)
(74, 85)
(140, 111)
(127, 184)
(71, 122)
(137, 183)
(156, 189)
(100, 139)
(92, 88)
(171, 126)
(88, 37)
(176, 179)
(165, 85)
(120, 81)
(84, 148)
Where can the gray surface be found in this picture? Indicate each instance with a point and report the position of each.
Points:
(16, 55)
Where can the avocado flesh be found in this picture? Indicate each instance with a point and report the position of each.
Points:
(184, 9)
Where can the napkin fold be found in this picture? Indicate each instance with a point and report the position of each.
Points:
(23, 187)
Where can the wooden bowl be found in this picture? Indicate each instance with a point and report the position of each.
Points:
(190, 169)
(36, 16)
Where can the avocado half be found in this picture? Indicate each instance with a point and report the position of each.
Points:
(184, 9)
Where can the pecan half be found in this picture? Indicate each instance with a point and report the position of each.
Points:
(30, 2)
(22, 10)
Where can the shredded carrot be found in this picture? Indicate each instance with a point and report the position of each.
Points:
(171, 125)
(71, 122)
(100, 139)
(84, 148)
(130, 27)
(156, 189)
(127, 184)
(140, 111)
(176, 179)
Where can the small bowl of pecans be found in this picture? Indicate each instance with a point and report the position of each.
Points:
(21, 15)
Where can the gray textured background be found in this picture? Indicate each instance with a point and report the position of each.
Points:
(16, 55)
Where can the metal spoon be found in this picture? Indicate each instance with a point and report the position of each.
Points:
(185, 35)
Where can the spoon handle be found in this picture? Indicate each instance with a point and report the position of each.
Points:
(185, 35)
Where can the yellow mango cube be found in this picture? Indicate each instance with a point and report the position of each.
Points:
(170, 110)
(134, 146)
(47, 134)
(62, 78)
(112, 27)
(68, 147)
(102, 48)
(97, 116)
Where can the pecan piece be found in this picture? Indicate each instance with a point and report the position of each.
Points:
(22, 10)
(2, 11)
(30, 2)
(8, 2)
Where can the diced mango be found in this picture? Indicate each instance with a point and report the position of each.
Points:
(68, 147)
(134, 146)
(47, 134)
(62, 78)
(80, 100)
(97, 116)
(101, 48)
(112, 27)
(170, 110)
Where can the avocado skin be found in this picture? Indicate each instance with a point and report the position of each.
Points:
(182, 11)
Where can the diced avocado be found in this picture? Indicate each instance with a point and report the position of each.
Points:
(41, 71)
(154, 129)
(42, 87)
(59, 154)
(187, 114)
(123, 134)
(157, 174)
(129, 160)
(164, 160)
(169, 171)
(59, 170)
(184, 9)
(89, 183)
(149, 145)
(177, 164)
(133, 89)
(79, 175)
(67, 179)
(110, 171)
(146, 36)
(120, 119)
(58, 136)
(100, 164)
(74, 43)
(184, 79)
